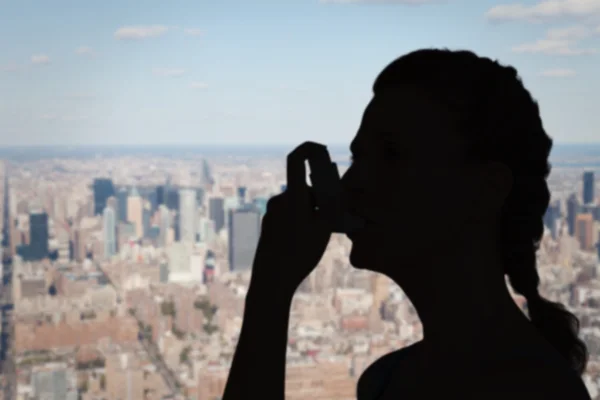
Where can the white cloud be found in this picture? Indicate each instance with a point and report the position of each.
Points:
(193, 31)
(553, 47)
(561, 41)
(40, 59)
(48, 116)
(558, 73)
(140, 32)
(198, 85)
(576, 32)
(85, 51)
(168, 71)
(544, 10)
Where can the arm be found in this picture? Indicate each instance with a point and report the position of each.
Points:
(258, 367)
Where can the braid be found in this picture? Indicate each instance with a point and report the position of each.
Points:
(502, 123)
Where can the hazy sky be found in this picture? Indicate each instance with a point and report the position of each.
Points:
(280, 71)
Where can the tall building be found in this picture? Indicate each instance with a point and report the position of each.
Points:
(37, 249)
(572, 211)
(187, 215)
(179, 255)
(122, 196)
(244, 231)
(216, 212)
(197, 263)
(109, 229)
(200, 193)
(584, 231)
(206, 179)
(160, 195)
(135, 212)
(230, 203)
(206, 229)
(588, 187)
(241, 191)
(172, 199)
(551, 217)
(164, 224)
(103, 189)
(146, 218)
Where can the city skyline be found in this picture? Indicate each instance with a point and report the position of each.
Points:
(200, 73)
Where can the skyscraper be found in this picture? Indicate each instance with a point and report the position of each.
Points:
(244, 231)
(572, 211)
(103, 189)
(241, 190)
(187, 215)
(584, 231)
(165, 224)
(588, 187)
(135, 212)
(122, 196)
(146, 218)
(172, 199)
(216, 212)
(160, 195)
(38, 225)
(38, 241)
(109, 227)
(206, 179)
(200, 193)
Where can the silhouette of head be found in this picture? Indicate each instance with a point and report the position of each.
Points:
(452, 148)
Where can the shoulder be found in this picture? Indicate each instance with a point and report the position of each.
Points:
(375, 378)
(542, 376)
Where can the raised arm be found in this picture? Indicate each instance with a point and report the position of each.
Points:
(292, 241)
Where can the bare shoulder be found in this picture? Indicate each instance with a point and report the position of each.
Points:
(376, 377)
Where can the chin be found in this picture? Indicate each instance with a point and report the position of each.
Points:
(367, 256)
(359, 259)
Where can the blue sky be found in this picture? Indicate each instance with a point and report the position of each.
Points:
(267, 72)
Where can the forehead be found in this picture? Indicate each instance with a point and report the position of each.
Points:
(410, 118)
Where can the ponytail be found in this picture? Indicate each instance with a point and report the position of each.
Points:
(556, 324)
(502, 123)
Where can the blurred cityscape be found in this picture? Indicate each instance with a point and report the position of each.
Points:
(124, 275)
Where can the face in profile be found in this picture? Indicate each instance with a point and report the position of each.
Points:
(408, 180)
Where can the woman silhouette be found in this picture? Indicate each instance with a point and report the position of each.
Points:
(449, 172)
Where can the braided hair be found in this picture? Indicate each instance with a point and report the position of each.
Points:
(501, 122)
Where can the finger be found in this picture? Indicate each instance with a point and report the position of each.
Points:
(296, 168)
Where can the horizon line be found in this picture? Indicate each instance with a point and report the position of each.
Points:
(129, 145)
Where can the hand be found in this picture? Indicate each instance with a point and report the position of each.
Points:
(294, 235)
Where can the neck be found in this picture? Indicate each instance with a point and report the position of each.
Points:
(463, 301)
